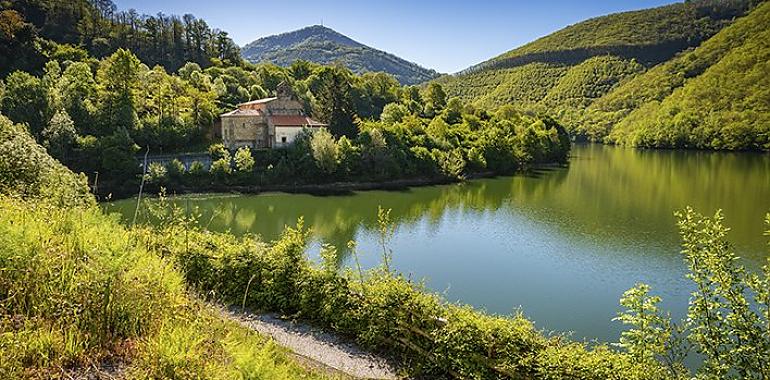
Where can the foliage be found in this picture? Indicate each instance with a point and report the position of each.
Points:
(448, 147)
(325, 150)
(79, 291)
(332, 100)
(648, 338)
(727, 320)
(156, 173)
(650, 35)
(244, 161)
(47, 28)
(381, 309)
(24, 101)
(591, 75)
(60, 135)
(26, 170)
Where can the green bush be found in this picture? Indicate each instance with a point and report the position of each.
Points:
(382, 311)
(26, 170)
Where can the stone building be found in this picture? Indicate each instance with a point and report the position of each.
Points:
(266, 123)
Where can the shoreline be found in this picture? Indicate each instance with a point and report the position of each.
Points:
(319, 189)
(323, 189)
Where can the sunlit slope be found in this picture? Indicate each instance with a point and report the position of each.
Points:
(717, 96)
(568, 70)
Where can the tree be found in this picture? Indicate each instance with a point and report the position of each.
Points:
(119, 81)
(436, 96)
(393, 113)
(244, 161)
(301, 69)
(412, 100)
(454, 110)
(77, 88)
(333, 102)
(324, 150)
(116, 153)
(60, 135)
(26, 101)
(372, 92)
(19, 49)
(349, 155)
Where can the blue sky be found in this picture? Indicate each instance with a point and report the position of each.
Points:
(447, 36)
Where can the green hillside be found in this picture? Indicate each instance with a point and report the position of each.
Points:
(565, 72)
(325, 46)
(716, 96)
(650, 35)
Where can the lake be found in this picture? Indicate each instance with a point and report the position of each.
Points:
(559, 245)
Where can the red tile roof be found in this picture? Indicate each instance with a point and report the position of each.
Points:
(294, 121)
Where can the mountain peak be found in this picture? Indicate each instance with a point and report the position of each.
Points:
(321, 44)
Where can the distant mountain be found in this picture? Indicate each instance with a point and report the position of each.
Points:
(563, 73)
(322, 45)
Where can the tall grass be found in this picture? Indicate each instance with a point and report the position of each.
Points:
(77, 289)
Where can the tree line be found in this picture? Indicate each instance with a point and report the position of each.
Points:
(96, 115)
(35, 31)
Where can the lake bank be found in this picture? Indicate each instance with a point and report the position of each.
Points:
(320, 189)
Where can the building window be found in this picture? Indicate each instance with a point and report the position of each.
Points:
(283, 139)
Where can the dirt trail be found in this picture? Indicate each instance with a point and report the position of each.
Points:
(318, 346)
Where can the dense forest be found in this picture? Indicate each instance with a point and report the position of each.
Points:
(715, 96)
(588, 75)
(323, 45)
(36, 31)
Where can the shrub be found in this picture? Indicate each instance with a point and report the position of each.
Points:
(244, 161)
(156, 173)
(220, 168)
(175, 169)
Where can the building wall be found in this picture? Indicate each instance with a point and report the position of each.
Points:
(244, 130)
(284, 136)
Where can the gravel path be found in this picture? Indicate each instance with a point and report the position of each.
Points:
(318, 345)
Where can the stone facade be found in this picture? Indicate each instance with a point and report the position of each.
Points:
(266, 123)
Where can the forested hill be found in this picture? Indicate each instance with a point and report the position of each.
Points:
(714, 97)
(33, 32)
(566, 71)
(322, 45)
(650, 36)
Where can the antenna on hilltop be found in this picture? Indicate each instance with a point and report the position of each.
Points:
(322, 22)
